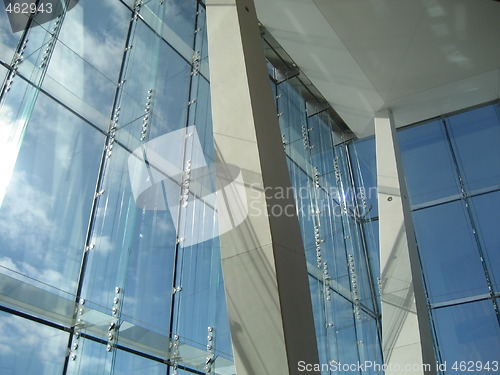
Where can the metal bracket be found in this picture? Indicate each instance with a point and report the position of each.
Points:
(313, 108)
(146, 120)
(211, 357)
(284, 73)
(114, 325)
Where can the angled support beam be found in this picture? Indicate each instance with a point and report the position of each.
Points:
(263, 260)
(406, 328)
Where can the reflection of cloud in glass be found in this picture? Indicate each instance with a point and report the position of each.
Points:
(86, 60)
(28, 207)
(44, 214)
(171, 172)
(20, 337)
(8, 151)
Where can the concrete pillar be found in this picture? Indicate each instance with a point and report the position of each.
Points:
(263, 260)
(406, 330)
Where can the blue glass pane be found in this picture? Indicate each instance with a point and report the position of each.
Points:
(3, 73)
(85, 66)
(8, 39)
(368, 343)
(487, 213)
(450, 258)
(293, 108)
(344, 348)
(371, 231)
(202, 35)
(27, 347)
(340, 265)
(96, 32)
(132, 249)
(304, 202)
(364, 165)
(45, 212)
(468, 332)
(360, 281)
(90, 357)
(372, 241)
(428, 165)
(169, 81)
(476, 138)
(318, 305)
(130, 364)
(320, 139)
(178, 16)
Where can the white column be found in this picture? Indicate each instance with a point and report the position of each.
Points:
(263, 260)
(406, 330)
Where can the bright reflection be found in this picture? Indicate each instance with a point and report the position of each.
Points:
(9, 149)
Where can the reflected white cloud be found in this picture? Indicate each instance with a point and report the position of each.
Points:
(44, 278)
(27, 207)
(8, 149)
(19, 337)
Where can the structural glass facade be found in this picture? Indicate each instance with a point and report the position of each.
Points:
(110, 263)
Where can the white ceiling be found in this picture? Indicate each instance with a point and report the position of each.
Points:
(421, 58)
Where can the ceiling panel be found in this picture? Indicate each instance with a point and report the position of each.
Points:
(367, 55)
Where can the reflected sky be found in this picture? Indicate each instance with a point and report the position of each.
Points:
(55, 163)
(21, 343)
(51, 184)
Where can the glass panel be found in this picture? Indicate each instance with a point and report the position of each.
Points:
(428, 165)
(476, 138)
(372, 241)
(33, 297)
(364, 166)
(450, 258)
(80, 86)
(85, 65)
(487, 213)
(132, 249)
(293, 106)
(468, 332)
(130, 364)
(333, 247)
(344, 348)
(368, 344)
(178, 17)
(169, 81)
(320, 140)
(302, 191)
(3, 76)
(27, 347)
(198, 291)
(90, 357)
(202, 36)
(37, 50)
(8, 39)
(341, 269)
(320, 317)
(95, 32)
(198, 226)
(45, 213)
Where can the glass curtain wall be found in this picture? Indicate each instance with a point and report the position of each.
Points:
(453, 175)
(331, 210)
(95, 278)
(452, 171)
